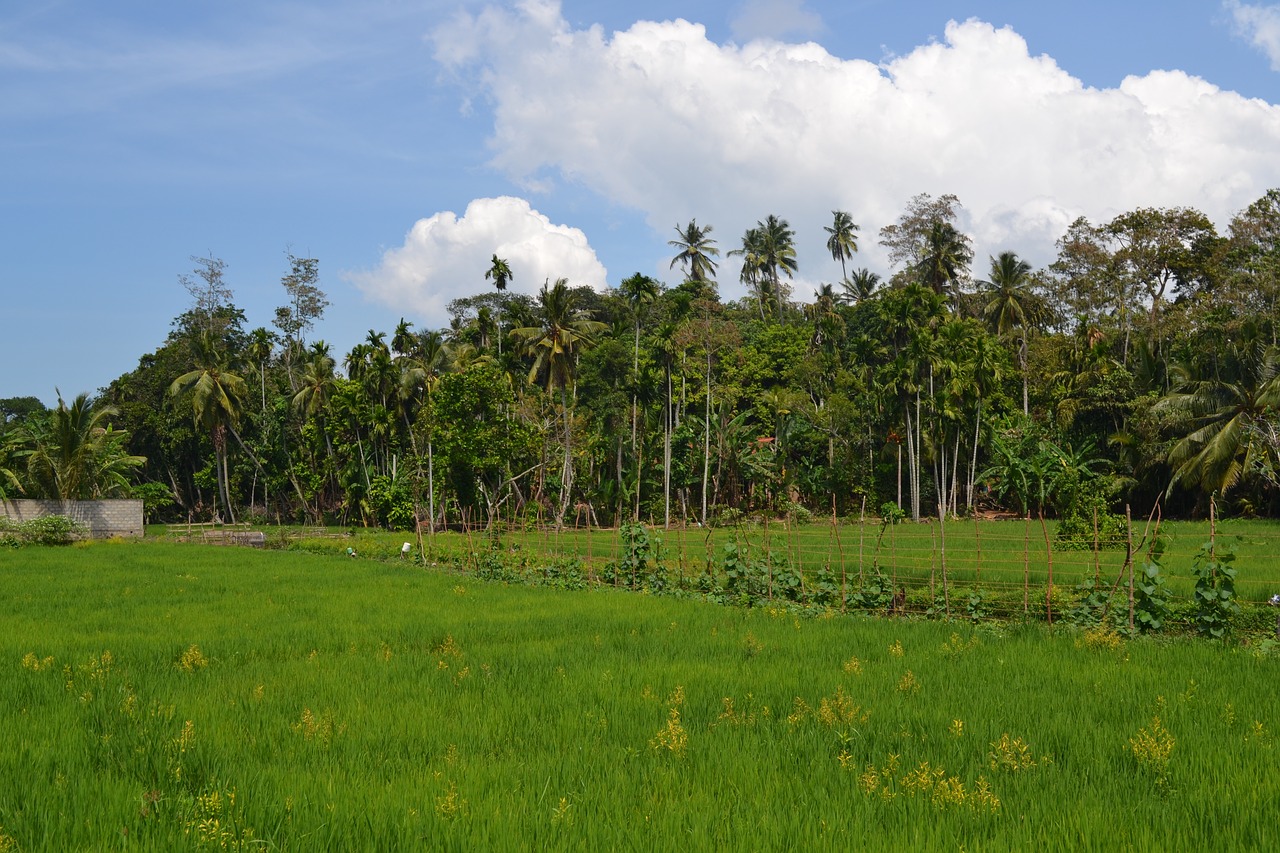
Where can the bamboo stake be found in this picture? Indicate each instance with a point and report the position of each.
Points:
(1096, 568)
(862, 535)
(933, 565)
(768, 556)
(1127, 516)
(977, 538)
(1048, 552)
(942, 531)
(844, 580)
(1026, 564)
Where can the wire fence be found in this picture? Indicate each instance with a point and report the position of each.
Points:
(1014, 564)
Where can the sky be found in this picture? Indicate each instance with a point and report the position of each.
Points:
(403, 144)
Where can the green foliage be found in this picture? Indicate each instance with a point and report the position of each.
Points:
(1150, 593)
(155, 497)
(876, 593)
(46, 530)
(1076, 530)
(751, 578)
(891, 513)
(391, 502)
(1215, 591)
(642, 559)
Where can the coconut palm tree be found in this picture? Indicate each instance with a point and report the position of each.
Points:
(217, 397)
(76, 455)
(1219, 406)
(1012, 306)
(945, 259)
(859, 286)
(564, 333)
(842, 239)
(768, 249)
(696, 250)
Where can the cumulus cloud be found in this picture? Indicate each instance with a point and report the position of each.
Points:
(661, 119)
(1260, 26)
(445, 256)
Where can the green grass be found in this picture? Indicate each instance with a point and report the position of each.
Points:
(997, 555)
(206, 697)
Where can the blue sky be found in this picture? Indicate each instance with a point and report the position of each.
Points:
(404, 143)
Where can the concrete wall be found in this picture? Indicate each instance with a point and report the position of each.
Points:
(101, 518)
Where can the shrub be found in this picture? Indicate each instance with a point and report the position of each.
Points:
(48, 530)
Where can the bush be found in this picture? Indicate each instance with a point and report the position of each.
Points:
(49, 530)
(1075, 531)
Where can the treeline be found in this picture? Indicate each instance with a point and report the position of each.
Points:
(1138, 368)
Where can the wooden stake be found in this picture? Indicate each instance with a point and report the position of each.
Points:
(1048, 551)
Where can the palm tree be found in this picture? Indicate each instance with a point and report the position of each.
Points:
(945, 259)
(696, 252)
(419, 375)
(826, 319)
(842, 241)
(859, 286)
(259, 350)
(76, 455)
(1220, 410)
(499, 271)
(985, 370)
(638, 291)
(1012, 305)
(767, 249)
(403, 340)
(217, 398)
(565, 332)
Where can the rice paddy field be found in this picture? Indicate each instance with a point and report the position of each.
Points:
(1003, 558)
(164, 696)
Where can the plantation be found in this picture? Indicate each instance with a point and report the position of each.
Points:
(164, 696)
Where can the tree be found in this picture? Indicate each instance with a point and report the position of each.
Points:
(210, 294)
(767, 249)
(76, 455)
(1219, 402)
(306, 300)
(421, 370)
(638, 291)
(861, 285)
(499, 271)
(945, 260)
(1160, 250)
(842, 239)
(908, 239)
(1011, 305)
(261, 346)
(565, 331)
(217, 397)
(696, 252)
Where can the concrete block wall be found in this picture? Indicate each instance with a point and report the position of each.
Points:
(102, 519)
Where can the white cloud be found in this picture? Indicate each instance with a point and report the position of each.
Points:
(444, 257)
(1260, 26)
(661, 119)
(775, 19)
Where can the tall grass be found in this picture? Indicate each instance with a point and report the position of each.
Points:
(180, 697)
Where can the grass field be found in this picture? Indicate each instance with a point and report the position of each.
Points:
(996, 555)
(161, 696)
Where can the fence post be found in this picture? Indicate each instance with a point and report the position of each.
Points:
(1128, 518)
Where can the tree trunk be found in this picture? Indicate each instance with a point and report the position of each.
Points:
(706, 441)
